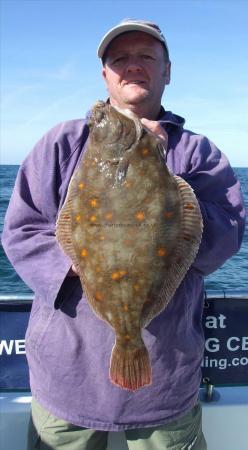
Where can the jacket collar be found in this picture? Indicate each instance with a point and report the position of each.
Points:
(167, 117)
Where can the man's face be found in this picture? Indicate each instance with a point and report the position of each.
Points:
(136, 72)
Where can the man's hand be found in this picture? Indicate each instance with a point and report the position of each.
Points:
(155, 128)
(72, 271)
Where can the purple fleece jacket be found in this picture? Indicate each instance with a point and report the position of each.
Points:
(68, 347)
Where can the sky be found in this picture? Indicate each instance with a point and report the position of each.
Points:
(50, 71)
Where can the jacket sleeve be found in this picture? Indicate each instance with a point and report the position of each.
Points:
(29, 228)
(220, 199)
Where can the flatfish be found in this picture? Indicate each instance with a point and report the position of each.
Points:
(132, 230)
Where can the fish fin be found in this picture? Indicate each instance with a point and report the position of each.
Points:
(130, 368)
(186, 251)
(97, 306)
(64, 229)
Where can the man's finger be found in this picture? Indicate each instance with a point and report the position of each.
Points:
(154, 127)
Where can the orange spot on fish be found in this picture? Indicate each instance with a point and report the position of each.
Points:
(162, 251)
(118, 274)
(127, 337)
(168, 214)
(93, 218)
(127, 184)
(126, 308)
(81, 186)
(115, 276)
(109, 215)
(98, 296)
(84, 253)
(102, 238)
(93, 203)
(140, 215)
(136, 287)
(78, 218)
(145, 151)
(189, 206)
(98, 269)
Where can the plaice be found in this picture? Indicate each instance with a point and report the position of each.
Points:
(132, 229)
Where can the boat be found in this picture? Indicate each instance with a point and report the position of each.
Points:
(223, 392)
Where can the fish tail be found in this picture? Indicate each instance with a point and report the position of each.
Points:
(130, 367)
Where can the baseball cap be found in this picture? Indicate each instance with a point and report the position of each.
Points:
(131, 25)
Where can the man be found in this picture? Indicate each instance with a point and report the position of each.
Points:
(68, 347)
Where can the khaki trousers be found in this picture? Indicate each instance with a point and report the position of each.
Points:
(47, 432)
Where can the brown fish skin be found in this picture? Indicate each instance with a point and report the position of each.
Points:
(132, 230)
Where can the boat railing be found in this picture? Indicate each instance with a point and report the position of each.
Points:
(226, 293)
(209, 294)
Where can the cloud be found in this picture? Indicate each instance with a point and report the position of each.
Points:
(64, 72)
(51, 109)
(12, 94)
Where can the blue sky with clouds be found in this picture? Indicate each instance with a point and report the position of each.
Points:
(50, 72)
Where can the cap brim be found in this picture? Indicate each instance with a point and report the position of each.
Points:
(123, 28)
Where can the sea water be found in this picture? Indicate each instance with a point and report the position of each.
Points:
(233, 275)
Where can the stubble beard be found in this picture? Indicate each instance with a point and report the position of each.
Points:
(140, 101)
(134, 97)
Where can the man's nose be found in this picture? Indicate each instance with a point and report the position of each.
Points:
(133, 65)
(134, 68)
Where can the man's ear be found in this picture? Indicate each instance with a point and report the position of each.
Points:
(168, 73)
(104, 73)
